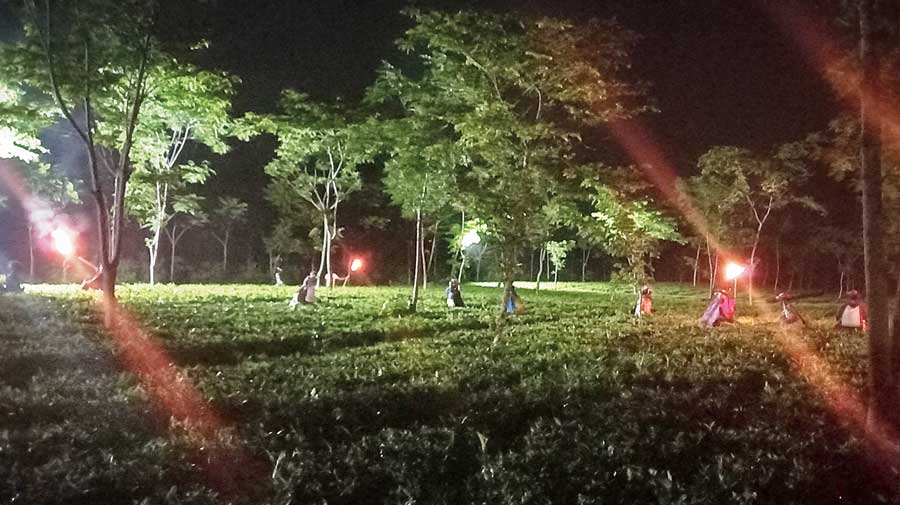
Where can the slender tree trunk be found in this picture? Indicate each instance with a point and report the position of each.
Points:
(761, 221)
(152, 265)
(696, 266)
(750, 268)
(541, 255)
(328, 269)
(585, 257)
(424, 262)
(883, 396)
(225, 252)
(712, 274)
(715, 271)
(30, 252)
(413, 301)
(549, 269)
(462, 251)
(434, 241)
(841, 288)
(324, 249)
(173, 242)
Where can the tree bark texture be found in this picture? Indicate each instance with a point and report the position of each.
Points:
(882, 390)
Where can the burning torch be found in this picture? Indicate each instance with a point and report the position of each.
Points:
(64, 243)
(732, 272)
(355, 265)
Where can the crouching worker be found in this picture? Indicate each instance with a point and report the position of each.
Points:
(13, 282)
(513, 304)
(644, 305)
(852, 315)
(454, 296)
(306, 294)
(720, 310)
(789, 313)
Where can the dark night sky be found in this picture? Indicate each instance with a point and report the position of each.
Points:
(721, 71)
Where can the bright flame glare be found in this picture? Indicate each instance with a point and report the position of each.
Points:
(356, 264)
(733, 271)
(63, 241)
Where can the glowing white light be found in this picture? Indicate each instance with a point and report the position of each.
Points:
(733, 271)
(63, 241)
(9, 147)
(470, 238)
(356, 264)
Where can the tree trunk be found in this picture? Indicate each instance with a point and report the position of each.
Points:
(841, 288)
(434, 241)
(324, 249)
(549, 269)
(712, 275)
(696, 266)
(152, 264)
(750, 267)
(173, 242)
(541, 255)
(424, 262)
(30, 252)
(715, 271)
(881, 383)
(225, 252)
(413, 301)
(328, 269)
(585, 257)
(110, 304)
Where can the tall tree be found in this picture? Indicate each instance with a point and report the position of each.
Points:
(228, 214)
(558, 250)
(92, 57)
(628, 226)
(883, 385)
(514, 93)
(319, 149)
(420, 161)
(187, 214)
(758, 185)
(184, 105)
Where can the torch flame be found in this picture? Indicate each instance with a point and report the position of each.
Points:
(63, 241)
(733, 271)
(356, 264)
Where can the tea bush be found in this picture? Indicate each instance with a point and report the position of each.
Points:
(353, 400)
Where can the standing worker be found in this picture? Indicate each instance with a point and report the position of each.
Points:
(644, 305)
(853, 314)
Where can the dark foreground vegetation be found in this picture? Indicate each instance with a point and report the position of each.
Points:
(353, 401)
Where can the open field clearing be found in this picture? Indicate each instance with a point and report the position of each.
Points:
(354, 401)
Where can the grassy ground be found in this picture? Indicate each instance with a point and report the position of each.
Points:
(354, 401)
